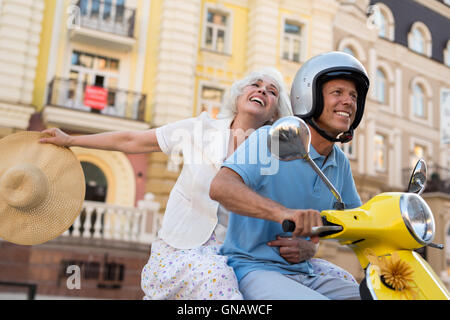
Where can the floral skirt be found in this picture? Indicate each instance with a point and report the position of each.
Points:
(191, 274)
(323, 267)
(202, 273)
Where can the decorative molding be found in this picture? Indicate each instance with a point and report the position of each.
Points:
(263, 35)
(87, 122)
(180, 21)
(20, 28)
(15, 116)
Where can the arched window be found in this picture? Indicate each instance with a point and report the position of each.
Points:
(421, 101)
(382, 31)
(447, 54)
(418, 152)
(385, 22)
(418, 101)
(381, 86)
(447, 251)
(352, 46)
(380, 153)
(419, 39)
(96, 183)
(349, 51)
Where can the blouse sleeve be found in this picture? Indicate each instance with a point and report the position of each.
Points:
(173, 136)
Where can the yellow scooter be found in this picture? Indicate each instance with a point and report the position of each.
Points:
(383, 233)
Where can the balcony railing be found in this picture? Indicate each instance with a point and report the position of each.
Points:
(111, 222)
(107, 16)
(70, 94)
(438, 179)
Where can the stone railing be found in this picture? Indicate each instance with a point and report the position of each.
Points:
(111, 222)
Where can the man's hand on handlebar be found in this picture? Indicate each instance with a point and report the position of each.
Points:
(304, 221)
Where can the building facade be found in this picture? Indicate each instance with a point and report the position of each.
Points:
(404, 46)
(81, 66)
(89, 66)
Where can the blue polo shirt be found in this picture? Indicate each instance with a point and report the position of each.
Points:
(295, 185)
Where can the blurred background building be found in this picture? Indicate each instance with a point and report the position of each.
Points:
(89, 66)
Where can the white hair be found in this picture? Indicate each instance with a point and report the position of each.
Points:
(229, 108)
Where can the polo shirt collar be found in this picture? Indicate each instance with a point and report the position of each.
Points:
(331, 161)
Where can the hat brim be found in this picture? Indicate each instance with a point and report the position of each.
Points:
(63, 202)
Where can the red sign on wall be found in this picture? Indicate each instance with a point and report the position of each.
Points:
(96, 97)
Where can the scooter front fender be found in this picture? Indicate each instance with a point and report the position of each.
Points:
(425, 284)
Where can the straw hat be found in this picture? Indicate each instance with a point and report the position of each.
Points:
(42, 189)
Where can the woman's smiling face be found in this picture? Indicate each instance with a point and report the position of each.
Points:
(259, 99)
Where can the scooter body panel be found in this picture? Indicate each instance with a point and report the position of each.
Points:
(379, 228)
(425, 284)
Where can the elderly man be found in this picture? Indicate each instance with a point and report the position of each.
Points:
(329, 93)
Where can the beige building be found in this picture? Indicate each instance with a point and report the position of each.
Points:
(402, 122)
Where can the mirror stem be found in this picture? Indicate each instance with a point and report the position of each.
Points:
(339, 205)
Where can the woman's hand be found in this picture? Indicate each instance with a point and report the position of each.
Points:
(57, 137)
(294, 250)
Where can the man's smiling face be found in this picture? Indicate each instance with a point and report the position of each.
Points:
(339, 110)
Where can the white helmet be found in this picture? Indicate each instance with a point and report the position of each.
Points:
(306, 93)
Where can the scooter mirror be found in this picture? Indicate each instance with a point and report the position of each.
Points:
(289, 139)
(418, 178)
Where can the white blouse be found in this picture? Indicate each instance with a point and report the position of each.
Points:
(191, 216)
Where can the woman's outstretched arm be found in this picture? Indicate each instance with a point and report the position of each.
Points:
(124, 141)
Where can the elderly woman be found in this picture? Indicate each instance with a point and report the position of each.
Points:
(184, 261)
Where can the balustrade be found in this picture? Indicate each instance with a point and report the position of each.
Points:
(111, 222)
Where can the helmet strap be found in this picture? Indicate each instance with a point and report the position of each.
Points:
(343, 138)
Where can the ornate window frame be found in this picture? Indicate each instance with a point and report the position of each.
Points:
(423, 30)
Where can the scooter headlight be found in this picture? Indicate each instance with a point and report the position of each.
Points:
(418, 218)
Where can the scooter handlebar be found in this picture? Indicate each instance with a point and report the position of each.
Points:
(289, 226)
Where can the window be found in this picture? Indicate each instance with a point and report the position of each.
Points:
(211, 100)
(349, 149)
(418, 153)
(445, 120)
(87, 70)
(419, 39)
(216, 30)
(421, 102)
(418, 101)
(292, 45)
(352, 46)
(380, 151)
(384, 20)
(381, 86)
(96, 182)
(447, 251)
(349, 51)
(81, 60)
(382, 25)
(447, 54)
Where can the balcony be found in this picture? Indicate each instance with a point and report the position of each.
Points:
(105, 23)
(438, 179)
(106, 223)
(66, 108)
